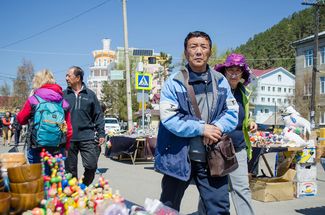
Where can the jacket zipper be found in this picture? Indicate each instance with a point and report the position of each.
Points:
(76, 103)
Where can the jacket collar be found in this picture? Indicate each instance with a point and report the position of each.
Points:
(83, 89)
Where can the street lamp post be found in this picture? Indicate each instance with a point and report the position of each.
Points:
(317, 4)
(127, 67)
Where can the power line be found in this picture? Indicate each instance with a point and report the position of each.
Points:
(7, 76)
(54, 26)
(42, 52)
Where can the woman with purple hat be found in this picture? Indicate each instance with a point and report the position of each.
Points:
(236, 70)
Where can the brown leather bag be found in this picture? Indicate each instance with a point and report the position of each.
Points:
(221, 156)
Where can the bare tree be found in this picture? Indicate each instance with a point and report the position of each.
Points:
(5, 89)
(23, 81)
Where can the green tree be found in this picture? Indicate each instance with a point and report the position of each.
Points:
(166, 64)
(114, 94)
(273, 47)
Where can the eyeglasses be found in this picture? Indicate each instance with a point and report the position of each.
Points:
(234, 74)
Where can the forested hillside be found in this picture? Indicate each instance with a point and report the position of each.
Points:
(273, 48)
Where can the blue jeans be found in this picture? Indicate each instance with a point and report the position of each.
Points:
(213, 190)
(33, 155)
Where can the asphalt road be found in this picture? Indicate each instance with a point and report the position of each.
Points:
(138, 182)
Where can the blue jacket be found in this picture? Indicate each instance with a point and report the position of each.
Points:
(179, 124)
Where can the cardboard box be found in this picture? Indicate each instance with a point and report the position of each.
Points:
(308, 188)
(273, 189)
(307, 155)
(306, 172)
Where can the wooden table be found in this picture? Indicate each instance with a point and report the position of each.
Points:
(137, 148)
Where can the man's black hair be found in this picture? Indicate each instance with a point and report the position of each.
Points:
(197, 34)
(77, 71)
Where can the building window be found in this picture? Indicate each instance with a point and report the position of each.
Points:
(253, 100)
(322, 118)
(279, 101)
(289, 89)
(262, 99)
(285, 90)
(269, 89)
(273, 100)
(309, 58)
(284, 101)
(105, 62)
(266, 110)
(268, 99)
(263, 88)
(279, 78)
(322, 85)
(273, 89)
(279, 89)
(262, 111)
(307, 89)
(322, 55)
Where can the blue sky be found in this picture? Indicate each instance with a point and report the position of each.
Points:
(161, 25)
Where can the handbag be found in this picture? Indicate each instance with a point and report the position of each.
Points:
(221, 156)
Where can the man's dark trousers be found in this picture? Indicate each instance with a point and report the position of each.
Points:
(213, 190)
(90, 151)
(17, 136)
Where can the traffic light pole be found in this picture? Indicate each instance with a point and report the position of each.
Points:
(127, 67)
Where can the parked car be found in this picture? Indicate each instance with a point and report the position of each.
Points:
(112, 125)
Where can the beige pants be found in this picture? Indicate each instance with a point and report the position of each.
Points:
(6, 135)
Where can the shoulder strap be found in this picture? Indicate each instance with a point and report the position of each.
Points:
(191, 94)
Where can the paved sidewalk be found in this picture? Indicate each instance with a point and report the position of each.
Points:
(136, 182)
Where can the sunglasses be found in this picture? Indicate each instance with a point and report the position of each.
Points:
(233, 75)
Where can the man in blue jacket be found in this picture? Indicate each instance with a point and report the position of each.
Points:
(180, 153)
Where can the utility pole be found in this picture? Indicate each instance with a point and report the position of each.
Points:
(317, 4)
(127, 67)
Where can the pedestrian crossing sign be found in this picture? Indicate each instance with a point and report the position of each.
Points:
(143, 81)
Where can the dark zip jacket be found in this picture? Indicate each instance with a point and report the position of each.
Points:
(86, 115)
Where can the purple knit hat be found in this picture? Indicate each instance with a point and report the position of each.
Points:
(235, 60)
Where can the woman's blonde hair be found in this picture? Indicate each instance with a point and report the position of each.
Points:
(42, 77)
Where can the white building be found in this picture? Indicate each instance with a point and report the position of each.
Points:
(272, 89)
(104, 62)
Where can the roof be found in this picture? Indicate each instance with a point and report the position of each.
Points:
(156, 98)
(309, 38)
(274, 119)
(259, 72)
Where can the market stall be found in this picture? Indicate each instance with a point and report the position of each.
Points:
(296, 153)
(31, 191)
